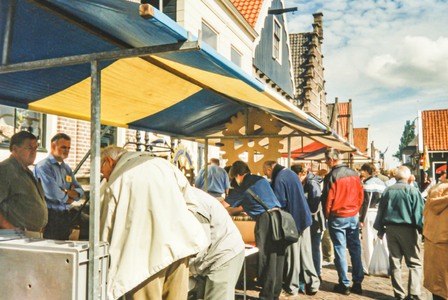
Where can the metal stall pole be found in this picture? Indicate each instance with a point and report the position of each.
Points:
(206, 166)
(95, 168)
(289, 151)
(9, 27)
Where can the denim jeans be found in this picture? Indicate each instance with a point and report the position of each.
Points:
(316, 238)
(344, 234)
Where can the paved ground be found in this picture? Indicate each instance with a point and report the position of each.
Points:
(374, 288)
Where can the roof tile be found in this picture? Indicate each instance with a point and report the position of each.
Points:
(343, 111)
(360, 136)
(250, 9)
(435, 129)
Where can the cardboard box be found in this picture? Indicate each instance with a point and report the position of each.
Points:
(246, 229)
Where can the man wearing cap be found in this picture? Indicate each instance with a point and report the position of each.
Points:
(22, 202)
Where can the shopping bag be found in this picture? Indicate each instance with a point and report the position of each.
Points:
(379, 264)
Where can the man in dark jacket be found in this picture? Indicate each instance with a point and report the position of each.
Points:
(298, 257)
(342, 197)
(400, 215)
(311, 187)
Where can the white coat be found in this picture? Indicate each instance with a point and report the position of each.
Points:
(147, 216)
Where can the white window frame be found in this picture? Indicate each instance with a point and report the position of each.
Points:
(213, 30)
(274, 23)
(238, 52)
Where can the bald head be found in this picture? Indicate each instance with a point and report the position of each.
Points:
(403, 173)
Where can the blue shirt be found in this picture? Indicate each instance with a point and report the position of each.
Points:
(56, 177)
(218, 180)
(260, 186)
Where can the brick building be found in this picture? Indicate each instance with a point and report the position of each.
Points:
(435, 137)
(307, 58)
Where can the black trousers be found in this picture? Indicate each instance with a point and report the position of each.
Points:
(271, 257)
(58, 226)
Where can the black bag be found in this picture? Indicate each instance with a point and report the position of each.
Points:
(283, 226)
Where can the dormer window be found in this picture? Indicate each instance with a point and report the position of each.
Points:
(277, 40)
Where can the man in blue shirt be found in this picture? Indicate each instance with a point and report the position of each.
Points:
(217, 180)
(60, 187)
(271, 254)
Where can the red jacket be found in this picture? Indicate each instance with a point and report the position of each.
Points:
(343, 194)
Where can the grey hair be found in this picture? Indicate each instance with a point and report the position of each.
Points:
(334, 154)
(113, 152)
(403, 173)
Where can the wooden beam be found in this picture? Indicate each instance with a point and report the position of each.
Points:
(146, 11)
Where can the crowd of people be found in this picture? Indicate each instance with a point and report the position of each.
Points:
(161, 230)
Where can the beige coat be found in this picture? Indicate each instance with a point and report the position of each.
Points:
(147, 217)
(435, 230)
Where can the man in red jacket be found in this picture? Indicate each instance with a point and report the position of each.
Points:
(342, 197)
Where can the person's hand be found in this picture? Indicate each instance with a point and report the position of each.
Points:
(71, 193)
(361, 224)
(380, 236)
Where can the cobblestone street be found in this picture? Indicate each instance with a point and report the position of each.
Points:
(374, 287)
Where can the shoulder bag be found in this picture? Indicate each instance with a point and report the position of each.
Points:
(283, 226)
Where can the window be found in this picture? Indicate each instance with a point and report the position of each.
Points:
(25, 120)
(277, 40)
(235, 56)
(209, 36)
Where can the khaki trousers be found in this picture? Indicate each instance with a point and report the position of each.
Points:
(169, 284)
(219, 284)
(404, 242)
(299, 260)
(327, 247)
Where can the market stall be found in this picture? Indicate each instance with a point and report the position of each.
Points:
(118, 63)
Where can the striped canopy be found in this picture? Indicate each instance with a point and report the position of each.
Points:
(175, 92)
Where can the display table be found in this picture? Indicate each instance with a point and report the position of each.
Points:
(249, 250)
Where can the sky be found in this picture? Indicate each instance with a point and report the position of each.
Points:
(389, 57)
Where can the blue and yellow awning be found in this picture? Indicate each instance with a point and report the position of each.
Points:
(190, 93)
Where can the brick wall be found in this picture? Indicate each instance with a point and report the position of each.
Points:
(79, 131)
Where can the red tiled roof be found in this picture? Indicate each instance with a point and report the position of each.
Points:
(250, 9)
(360, 136)
(343, 111)
(435, 129)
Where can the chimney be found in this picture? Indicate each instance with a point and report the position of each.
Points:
(318, 24)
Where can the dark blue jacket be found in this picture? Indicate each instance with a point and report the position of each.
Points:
(289, 191)
(313, 192)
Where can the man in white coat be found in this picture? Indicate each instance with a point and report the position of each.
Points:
(217, 267)
(147, 216)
